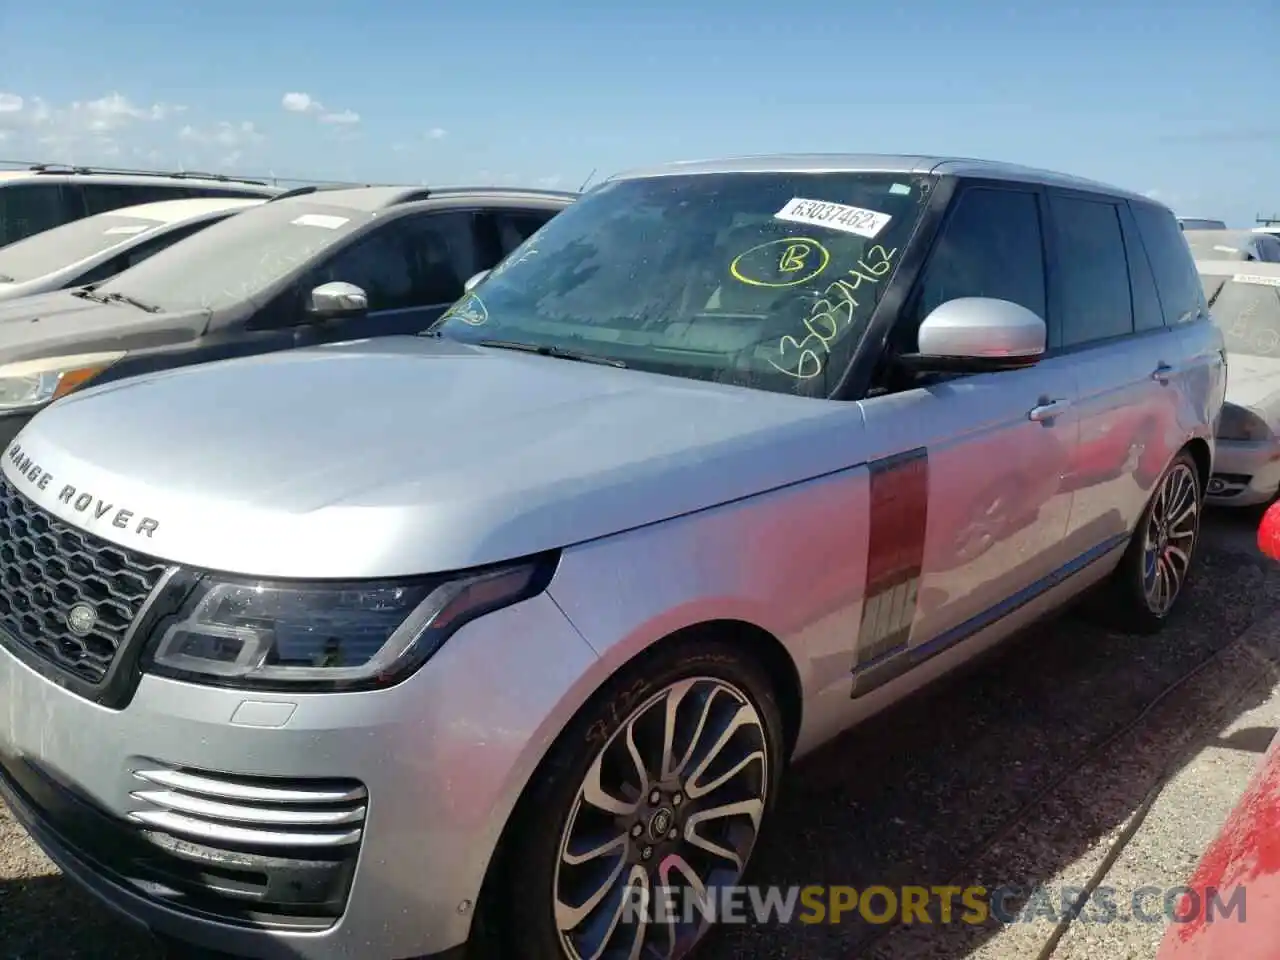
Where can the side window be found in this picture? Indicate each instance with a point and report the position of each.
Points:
(444, 249)
(378, 263)
(990, 246)
(1178, 283)
(517, 226)
(27, 209)
(102, 197)
(138, 253)
(1092, 274)
(1147, 314)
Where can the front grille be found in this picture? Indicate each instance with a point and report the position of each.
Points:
(47, 567)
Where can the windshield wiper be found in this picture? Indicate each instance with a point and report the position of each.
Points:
(123, 298)
(86, 293)
(559, 353)
(5, 278)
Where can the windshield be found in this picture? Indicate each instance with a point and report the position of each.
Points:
(237, 259)
(764, 280)
(51, 250)
(1247, 309)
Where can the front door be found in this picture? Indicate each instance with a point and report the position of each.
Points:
(967, 507)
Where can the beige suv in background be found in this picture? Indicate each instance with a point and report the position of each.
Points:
(47, 195)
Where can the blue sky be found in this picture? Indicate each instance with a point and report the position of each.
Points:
(1165, 97)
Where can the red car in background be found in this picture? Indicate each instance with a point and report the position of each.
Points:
(1245, 854)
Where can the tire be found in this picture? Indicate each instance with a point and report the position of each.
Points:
(537, 897)
(1131, 601)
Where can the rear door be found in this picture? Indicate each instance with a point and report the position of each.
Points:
(1108, 322)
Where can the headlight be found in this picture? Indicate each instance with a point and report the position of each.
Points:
(33, 383)
(1242, 424)
(330, 636)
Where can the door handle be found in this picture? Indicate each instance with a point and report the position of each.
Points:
(1164, 372)
(1047, 410)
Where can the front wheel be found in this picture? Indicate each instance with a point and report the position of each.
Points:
(1150, 579)
(649, 805)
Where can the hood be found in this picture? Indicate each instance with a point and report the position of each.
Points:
(1254, 382)
(50, 324)
(408, 455)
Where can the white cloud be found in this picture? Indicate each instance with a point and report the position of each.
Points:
(340, 117)
(224, 134)
(81, 131)
(437, 133)
(549, 182)
(297, 102)
(1153, 193)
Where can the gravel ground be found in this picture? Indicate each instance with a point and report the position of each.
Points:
(993, 778)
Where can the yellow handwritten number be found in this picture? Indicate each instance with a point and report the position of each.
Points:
(794, 256)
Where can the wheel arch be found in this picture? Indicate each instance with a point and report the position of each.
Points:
(1199, 449)
(761, 645)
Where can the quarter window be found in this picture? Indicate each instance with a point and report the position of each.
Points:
(1093, 272)
(990, 247)
(1181, 295)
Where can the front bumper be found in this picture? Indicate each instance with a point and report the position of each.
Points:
(1244, 474)
(441, 760)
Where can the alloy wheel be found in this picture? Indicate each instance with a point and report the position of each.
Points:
(667, 816)
(1170, 538)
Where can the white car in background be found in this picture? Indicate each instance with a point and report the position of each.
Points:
(94, 249)
(1233, 245)
(1244, 298)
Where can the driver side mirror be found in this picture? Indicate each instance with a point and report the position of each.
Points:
(978, 335)
(474, 281)
(334, 300)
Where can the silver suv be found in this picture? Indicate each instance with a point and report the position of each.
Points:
(504, 634)
(48, 195)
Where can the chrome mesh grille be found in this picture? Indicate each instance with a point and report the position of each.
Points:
(47, 567)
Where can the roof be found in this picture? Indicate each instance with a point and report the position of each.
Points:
(175, 211)
(1229, 268)
(880, 163)
(373, 198)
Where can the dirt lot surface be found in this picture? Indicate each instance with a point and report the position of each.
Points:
(1073, 754)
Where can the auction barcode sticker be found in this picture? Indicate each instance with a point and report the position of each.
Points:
(837, 216)
(1254, 278)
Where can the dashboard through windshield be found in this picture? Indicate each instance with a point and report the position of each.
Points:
(765, 280)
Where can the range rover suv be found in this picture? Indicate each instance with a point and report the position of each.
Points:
(500, 637)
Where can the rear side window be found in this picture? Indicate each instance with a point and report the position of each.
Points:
(990, 246)
(517, 226)
(1093, 273)
(1147, 314)
(444, 249)
(1181, 295)
(30, 208)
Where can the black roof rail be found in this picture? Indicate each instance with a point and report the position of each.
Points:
(517, 191)
(315, 188)
(415, 196)
(220, 177)
(69, 168)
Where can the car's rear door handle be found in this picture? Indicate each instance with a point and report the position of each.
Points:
(1048, 409)
(1164, 373)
